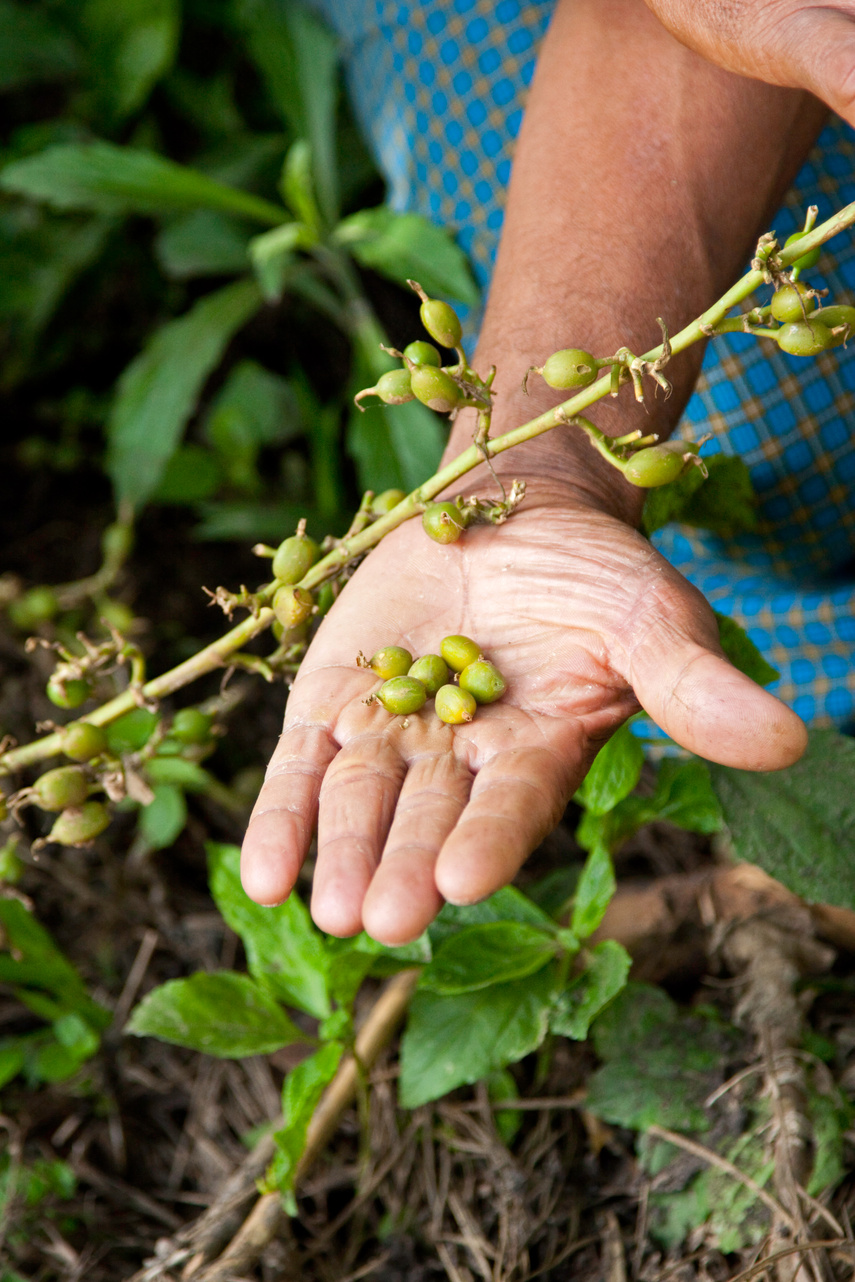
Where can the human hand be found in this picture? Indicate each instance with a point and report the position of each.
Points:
(585, 620)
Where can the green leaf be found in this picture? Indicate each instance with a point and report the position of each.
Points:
(29, 957)
(604, 976)
(685, 796)
(159, 390)
(223, 1014)
(492, 953)
(297, 186)
(188, 775)
(32, 47)
(723, 502)
(191, 475)
(298, 58)
(507, 904)
(204, 243)
(131, 46)
(409, 247)
(13, 1052)
(131, 732)
(163, 819)
(450, 1041)
(614, 772)
(283, 949)
(798, 824)
(742, 651)
(254, 409)
(107, 179)
(274, 259)
(303, 1088)
(251, 521)
(594, 892)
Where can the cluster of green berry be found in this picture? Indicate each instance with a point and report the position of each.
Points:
(407, 685)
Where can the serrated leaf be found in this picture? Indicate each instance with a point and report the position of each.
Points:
(32, 47)
(301, 1094)
(283, 948)
(507, 904)
(588, 994)
(162, 821)
(158, 391)
(723, 502)
(742, 651)
(204, 243)
(798, 824)
(450, 1041)
(131, 46)
(614, 772)
(685, 796)
(106, 179)
(409, 247)
(224, 1014)
(666, 503)
(594, 891)
(491, 953)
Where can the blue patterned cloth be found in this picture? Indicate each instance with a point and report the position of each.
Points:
(439, 87)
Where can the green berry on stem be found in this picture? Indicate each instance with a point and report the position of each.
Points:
(422, 353)
(454, 706)
(439, 319)
(444, 522)
(435, 388)
(808, 260)
(82, 741)
(804, 339)
(382, 504)
(191, 725)
(833, 318)
(483, 681)
(571, 367)
(391, 661)
(792, 303)
(658, 464)
(38, 605)
(295, 557)
(59, 788)
(402, 695)
(459, 652)
(79, 825)
(394, 388)
(432, 671)
(68, 693)
(292, 606)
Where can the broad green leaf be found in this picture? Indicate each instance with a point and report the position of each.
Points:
(188, 775)
(32, 47)
(685, 796)
(742, 651)
(507, 904)
(30, 958)
(450, 1041)
(492, 953)
(132, 731)
(502, 1087)
(191, 475)
(251, 521)
(605, 973)
(593, 892)
(13, 1052)
(298, 58)
(409, 247)
(159, 390)
(163, 819)
(614, 772)
(798, 824)
(223, 1014)
(723, 502)
(106, 179)
(273, 256)
(131, 46)
(204, 243)
(254, 409)
(283, 949)
(301, 1093)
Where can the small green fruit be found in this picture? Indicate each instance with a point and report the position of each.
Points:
(35, 607)
(402, 695)
(292, 606)
(484, 681)
(443, 522)
(454, 706)
(118, 614)
(62, 787)
(421, 353)
(191, 725)
(434, 388)
(802, 339)
(432, 671)
(808, 260)
(391, 661)
(571, 367)
(394, 388)
(833, 318)
(82, 741)
(69, 693)
(791, 303)
(459, 652)
(383, 503)
(659, 464)
(441, 322)
(295, 557)
(79, 825)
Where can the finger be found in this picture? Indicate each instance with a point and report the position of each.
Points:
(517, 798)
(402, 898)
(357, 802)
(283, 818)
(820, 46)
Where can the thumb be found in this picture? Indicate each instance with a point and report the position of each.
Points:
(821, 48)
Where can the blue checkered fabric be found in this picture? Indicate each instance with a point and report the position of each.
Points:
(439, 87)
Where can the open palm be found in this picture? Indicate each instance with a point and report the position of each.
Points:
(585, 620)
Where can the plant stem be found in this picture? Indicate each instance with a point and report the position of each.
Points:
(217, 654)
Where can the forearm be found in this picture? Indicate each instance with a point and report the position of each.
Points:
(642, 178)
